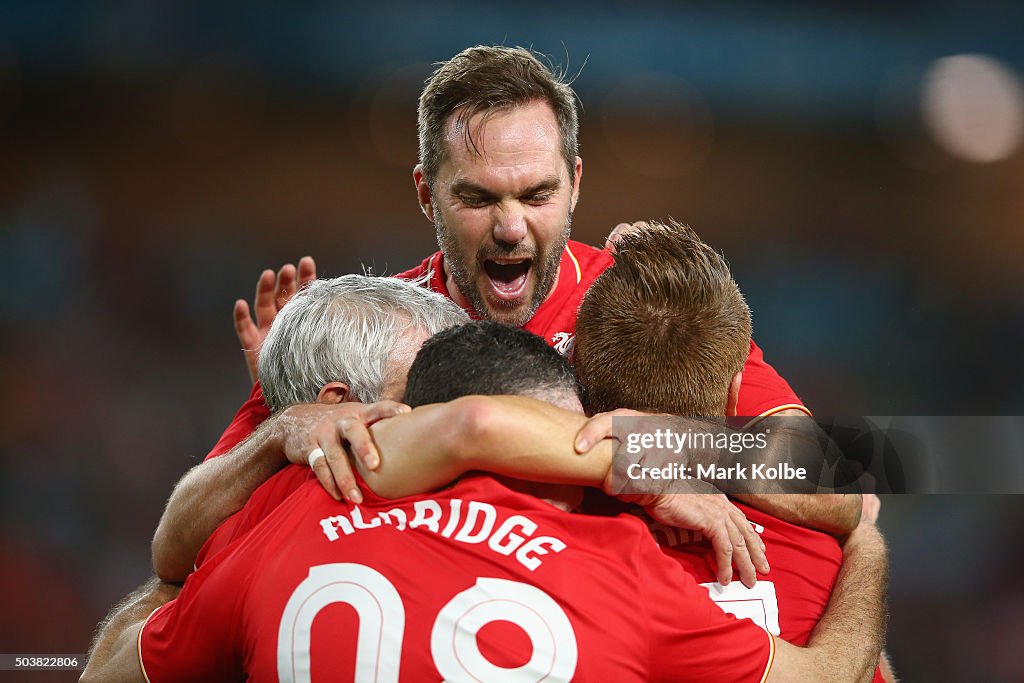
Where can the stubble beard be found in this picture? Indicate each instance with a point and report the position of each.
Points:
(466, 273)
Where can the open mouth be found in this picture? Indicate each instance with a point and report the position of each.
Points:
(508, 278)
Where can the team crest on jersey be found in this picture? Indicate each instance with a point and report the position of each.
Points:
(562, 341)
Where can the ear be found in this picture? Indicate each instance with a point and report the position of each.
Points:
(733, 398)
(576, 183)
(426, 199)
(335, 392)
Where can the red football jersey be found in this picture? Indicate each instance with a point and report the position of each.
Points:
(474, 582)
(763, 391)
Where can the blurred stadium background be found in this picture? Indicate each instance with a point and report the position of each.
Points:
(860, 163)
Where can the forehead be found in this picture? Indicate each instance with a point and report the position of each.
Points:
(405, 348)
(506, 140)
(403, 352)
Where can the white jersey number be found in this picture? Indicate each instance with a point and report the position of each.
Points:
(453, 642)
(759, 604)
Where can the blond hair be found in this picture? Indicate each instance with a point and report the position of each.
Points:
(664, 329)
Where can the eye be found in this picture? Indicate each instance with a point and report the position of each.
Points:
(539, 198)
(473, 201)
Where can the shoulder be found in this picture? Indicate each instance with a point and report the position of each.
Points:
(420, 270)
(589, 261)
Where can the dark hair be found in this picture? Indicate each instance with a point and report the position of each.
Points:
(485, 79)
(664, 329)
(485, 357)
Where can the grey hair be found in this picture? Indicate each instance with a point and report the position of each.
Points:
(344, 330)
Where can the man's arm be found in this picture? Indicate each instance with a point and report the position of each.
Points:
(834, 513)
(511, 436)
(524, 438)
(208, 494)
(847, 642)
(529, 439)
(114, 654)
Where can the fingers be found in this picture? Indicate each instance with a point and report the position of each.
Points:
(613, 236)
(755, 546)
(741, 555)
(340, 471)
(290, 279)
(307, 270)
(245, 329)
(593, 431)
(264, 302)
(354, 432)
(600, 427)
(274, 291)
(285, 288)
(748, 548)
(318, 462)
(319, 448)
(248, 338)
(381, 410)
(721, 542)
(622, 229)
(735, 544)
(309, 430)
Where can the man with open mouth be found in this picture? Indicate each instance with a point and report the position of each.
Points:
(499, 177)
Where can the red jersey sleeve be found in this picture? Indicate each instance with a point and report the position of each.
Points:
(261, 503)
(691, 639)
(252, 413)
(763, 392)
(196, 637)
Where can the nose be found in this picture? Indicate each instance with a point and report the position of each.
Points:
(509, 226)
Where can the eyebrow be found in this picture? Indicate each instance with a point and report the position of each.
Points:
(548, 184)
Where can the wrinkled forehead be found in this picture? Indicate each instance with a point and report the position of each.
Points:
(490, 136)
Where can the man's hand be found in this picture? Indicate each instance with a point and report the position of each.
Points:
(271, 295)
(599, 427)
(314, 434)
(622, 229)
(733, 538)
(871, 505)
